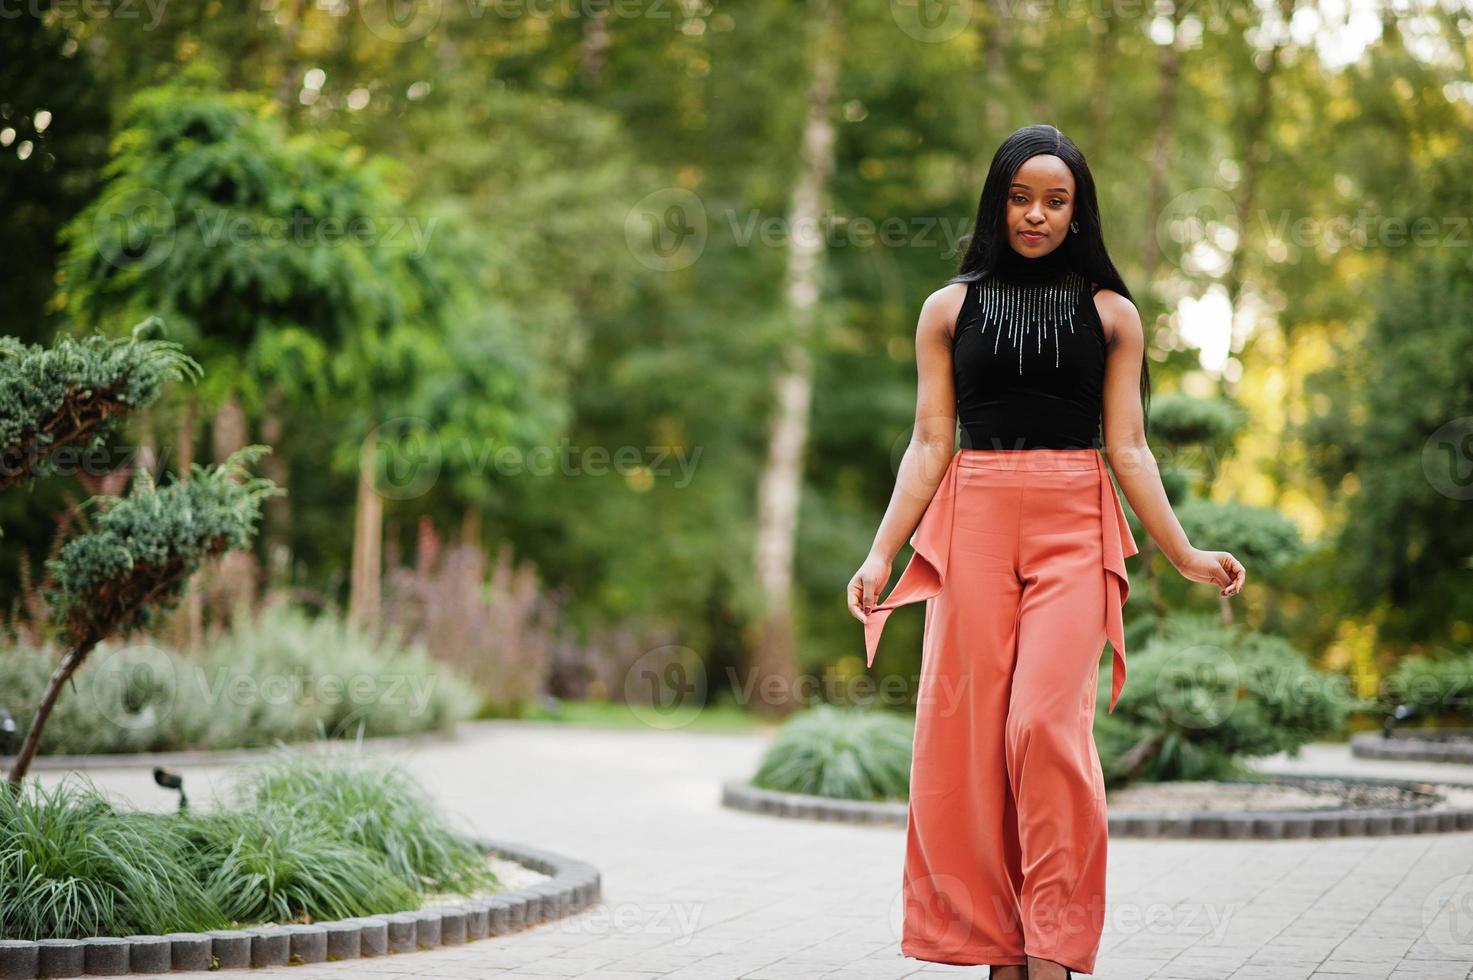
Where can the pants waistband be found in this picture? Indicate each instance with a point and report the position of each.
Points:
(1030, 460)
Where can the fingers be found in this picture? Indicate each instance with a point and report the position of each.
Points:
(1236, 574)
(859, 600)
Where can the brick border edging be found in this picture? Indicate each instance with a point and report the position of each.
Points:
(1413, 746)
(1203, 825)
(574, 886)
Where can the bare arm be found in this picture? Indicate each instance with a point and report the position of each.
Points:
(932, 444)
(1130, 458)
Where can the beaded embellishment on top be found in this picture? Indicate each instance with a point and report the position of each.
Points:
(1024, 311)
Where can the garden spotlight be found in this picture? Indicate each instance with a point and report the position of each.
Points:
(1400, 713)
(7, 732)
(171, 779)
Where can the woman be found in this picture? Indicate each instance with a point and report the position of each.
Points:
(1020, 555)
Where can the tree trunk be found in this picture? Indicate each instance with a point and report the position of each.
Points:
(278, 509)
(189, 624)
(998, 38)
(593, 52)
(774, 661)
(230, 583)
(68, 666)
(1164, 140)
(363, 599)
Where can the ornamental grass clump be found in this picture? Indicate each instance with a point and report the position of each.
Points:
(378, 808)
(306, 837)
(72, 865)
(847, 754)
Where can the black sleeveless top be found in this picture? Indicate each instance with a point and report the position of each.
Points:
(1028, 357)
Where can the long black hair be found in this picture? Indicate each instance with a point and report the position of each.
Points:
(1084, 249)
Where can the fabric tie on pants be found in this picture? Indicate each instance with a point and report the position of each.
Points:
(926, 571)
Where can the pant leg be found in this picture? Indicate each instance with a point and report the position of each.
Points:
(962, 867)
(1053, 763)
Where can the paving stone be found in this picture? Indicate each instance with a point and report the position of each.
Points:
(189, 950)
(19, 959)
(270, 946)
(61, 958)
(308, 943)
(106, 956)
(149, 954)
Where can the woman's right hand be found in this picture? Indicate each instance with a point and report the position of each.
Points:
(866, 585)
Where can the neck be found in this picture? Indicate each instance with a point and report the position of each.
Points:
(1016, 267)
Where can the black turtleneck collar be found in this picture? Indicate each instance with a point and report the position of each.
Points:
(1016, 267)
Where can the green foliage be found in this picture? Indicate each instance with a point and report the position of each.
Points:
(1390, 426)
(1437, 684)
(70, 396)
(288, 255)
(272, 864)
(42, 67)
(546, 142)
(379, 809)
(844, 753)
(145, 546)
(72, 864)
(276, 675)
(1201, 696)
(1262, 538)
(1178, 419)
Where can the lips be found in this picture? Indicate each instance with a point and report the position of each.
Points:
(1033, 236)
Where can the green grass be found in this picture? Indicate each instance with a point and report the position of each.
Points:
(303, 837)
(841, 753)
(72, 865)
(373, 807)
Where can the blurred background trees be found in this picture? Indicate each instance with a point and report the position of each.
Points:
(574, 320)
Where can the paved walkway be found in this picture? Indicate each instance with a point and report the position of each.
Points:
(693, 891)
(1335, 759)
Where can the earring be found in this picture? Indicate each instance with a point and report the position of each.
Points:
(1074, 226)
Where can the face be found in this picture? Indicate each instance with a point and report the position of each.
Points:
(1040, 205)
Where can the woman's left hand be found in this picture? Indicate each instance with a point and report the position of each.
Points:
(1217, 567)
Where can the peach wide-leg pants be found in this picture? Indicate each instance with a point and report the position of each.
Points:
(1020, 557)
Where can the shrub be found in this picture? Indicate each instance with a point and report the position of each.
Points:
(849, 754)
(1438, 684)
(1202, 695)
(280, 676)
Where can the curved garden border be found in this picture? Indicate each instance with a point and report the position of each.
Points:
(1205, 824)
(574, 886)
(1414, 745)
